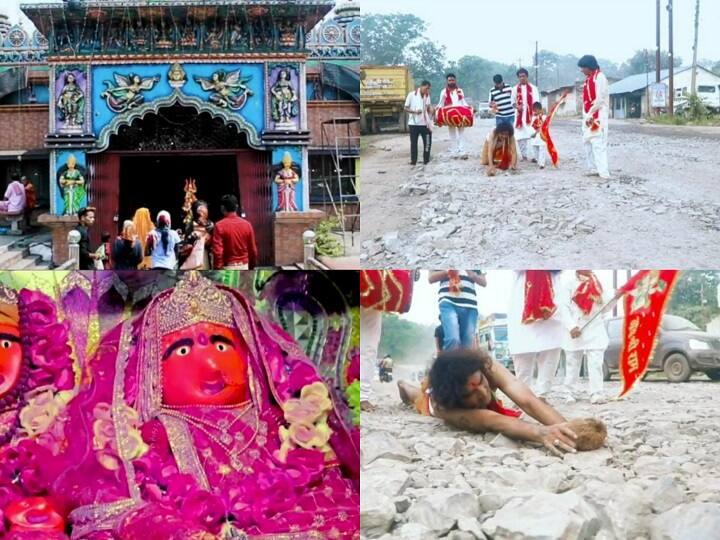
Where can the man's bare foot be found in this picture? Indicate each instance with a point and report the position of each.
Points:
(403, 393)
(367, 406)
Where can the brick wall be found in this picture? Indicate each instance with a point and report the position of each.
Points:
(320, 111)
(23, 126)
(289, 228)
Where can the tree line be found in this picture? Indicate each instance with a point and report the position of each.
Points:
(399, 39)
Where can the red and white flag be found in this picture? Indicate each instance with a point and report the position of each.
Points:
(645, 299)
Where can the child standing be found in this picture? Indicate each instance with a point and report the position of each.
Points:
(539, 144)
(102, 253)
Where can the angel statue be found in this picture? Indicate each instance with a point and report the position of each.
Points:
(126, 93)
(228, 90)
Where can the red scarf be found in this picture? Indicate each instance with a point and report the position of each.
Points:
(539, 294)
(454, 282)
(425, 114)
(522, 107)
(588, 293)
(589, 96)
(497, 406)
(538, 121)
(502, 156)
(448, 99)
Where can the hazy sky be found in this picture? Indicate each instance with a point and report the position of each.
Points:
(494, 298)
(506, 31)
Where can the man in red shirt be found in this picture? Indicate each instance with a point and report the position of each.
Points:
(233, 242)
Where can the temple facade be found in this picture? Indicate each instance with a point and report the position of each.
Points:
(140, 96)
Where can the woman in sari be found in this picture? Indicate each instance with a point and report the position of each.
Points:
(143, 227)
(203, 420)
(14, 201)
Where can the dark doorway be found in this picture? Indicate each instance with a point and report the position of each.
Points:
(157, 182)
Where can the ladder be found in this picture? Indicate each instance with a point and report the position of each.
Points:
(344, 150)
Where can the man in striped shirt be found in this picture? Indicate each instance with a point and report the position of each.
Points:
(458, 305)
(501, 102)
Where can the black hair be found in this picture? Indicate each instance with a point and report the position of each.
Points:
(497, 79)
(105, 237)
(15, 177)
(84, 211)
(505, 128)
(537, 105)
(450, 75)
(450, 372)
(522, 70)
(588, 61)
(229, 203)
(425, 83)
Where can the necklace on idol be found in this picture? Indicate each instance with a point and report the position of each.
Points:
(225, 439)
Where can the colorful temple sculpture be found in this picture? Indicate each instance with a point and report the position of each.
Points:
(141, 95)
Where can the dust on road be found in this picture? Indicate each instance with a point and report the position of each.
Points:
(661, 208)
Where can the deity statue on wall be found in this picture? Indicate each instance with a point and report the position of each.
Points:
(126, 92)
(284, 101)
(214, 39)
(286, 179)
(71, 102)
(237, 36)
(228, 90)
(189, 37)
(72, 183)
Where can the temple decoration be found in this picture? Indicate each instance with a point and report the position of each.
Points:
(177, 76)
(284, 97)
(286, 179)
(190, 198)
(339, 36)
(72, 182)
(17, 46)
(71, 89)
(227, 90)
(126, 92)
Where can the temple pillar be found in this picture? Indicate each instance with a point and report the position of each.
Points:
(288, 230)
(60, 227)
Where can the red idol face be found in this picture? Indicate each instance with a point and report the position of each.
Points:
(204, 364)
(34, 514)
(10, 358)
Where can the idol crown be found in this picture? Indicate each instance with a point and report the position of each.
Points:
(8, 295)
(195, 299)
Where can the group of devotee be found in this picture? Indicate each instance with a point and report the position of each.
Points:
(522, 125)
(143, 244)
(20, 198)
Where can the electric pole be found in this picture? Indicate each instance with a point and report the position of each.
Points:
(671, 67)
(658, 63)
(537, 81)
(693, 89)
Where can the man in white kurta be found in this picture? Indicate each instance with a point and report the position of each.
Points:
(535, 344)
(523, 97)
(578, 340)
(452, 94)
(370, 332)
(596, 113)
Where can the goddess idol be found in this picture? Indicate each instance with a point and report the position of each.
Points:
(203, 420)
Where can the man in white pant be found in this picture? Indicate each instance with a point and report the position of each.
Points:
(582, 298)
(536, 343)
(524, 95)
(596, 101)
(370, 332)
(453, 95)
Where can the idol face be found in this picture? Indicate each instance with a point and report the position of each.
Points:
(204, 364)
(10, 358)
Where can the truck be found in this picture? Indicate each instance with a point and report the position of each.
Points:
(383, 90)
(493, 337)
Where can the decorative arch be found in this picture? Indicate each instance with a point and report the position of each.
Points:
(177, 98)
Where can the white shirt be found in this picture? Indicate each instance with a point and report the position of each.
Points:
(416, 102)
(535, 337)
(454, 97)
(525, 131)
(595, 336)
(601, 105)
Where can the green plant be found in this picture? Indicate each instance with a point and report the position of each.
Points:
(694, 108)
(327, 242)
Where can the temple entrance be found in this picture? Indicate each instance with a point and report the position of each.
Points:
(158, 181)
(147, 163)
